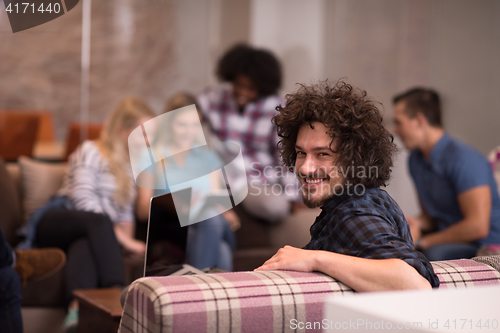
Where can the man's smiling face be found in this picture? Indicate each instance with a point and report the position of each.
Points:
(316, 164)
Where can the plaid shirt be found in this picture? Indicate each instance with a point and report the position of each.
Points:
(252, 129)
(368, 226)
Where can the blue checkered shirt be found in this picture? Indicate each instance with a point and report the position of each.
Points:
(369, 226)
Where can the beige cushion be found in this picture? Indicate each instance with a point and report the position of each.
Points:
(40, 181)
(15, 175)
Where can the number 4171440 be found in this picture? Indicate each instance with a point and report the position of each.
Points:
(30, 8)
(470, 324)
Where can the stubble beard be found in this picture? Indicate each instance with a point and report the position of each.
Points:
(313, 202)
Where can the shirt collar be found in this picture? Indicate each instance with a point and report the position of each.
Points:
(334, 202)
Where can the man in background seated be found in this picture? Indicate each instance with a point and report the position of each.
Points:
(455, 184)
(335, 138)
(240, 111)
(29, 265)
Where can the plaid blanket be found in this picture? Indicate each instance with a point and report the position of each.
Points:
(258, 301)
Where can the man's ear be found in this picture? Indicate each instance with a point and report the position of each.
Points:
(421, 120)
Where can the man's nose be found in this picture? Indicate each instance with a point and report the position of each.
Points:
(309, 167)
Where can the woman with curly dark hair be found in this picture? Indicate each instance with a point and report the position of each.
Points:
(334, 137)
(240, 111)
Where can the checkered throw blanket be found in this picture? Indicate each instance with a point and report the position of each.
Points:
(258, 301)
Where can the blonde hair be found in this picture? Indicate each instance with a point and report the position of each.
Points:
(124, 117)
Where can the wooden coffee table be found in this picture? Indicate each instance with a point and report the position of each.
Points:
(99, 310)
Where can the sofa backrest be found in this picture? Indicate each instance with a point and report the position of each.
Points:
(39, 182)
(261, 301)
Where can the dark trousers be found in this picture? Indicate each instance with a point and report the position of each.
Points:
(94, 257)
(10, 291)
(10, 301)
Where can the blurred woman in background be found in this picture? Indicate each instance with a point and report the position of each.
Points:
(92, 214)
(210, 242)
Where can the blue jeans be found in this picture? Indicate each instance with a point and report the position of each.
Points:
(211, 243)
(451, 251)
(10, 301)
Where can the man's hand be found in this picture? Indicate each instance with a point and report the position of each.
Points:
(290, 258)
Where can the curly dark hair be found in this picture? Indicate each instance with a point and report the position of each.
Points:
(261, 66)
(350, 117)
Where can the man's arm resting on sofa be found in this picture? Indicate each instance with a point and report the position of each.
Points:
(358, 273)
(475, 205)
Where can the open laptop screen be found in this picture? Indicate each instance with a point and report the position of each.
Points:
(166, 240)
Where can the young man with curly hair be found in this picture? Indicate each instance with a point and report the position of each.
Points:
(334, 137)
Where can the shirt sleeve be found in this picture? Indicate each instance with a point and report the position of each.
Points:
(204, 103)
(469, 170)
(84, 173)
(126, 214)
(374, 237)
(210, 103)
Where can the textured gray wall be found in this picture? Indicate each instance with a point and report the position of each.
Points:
(453, 46)
(387, 46)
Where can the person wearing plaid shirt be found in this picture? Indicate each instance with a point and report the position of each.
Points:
(251, 129)
(335, 138)
(241, 111)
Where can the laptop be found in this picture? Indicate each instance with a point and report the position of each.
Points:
(166, 240)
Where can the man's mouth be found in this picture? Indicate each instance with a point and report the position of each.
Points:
(311, 182)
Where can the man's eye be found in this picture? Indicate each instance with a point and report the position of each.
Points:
(300, 153)
(323, 154)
